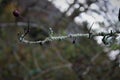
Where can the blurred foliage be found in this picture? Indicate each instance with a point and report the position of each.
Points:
(20, 61)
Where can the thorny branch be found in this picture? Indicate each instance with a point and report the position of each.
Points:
(108, 38)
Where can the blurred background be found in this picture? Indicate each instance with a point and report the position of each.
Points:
(86, 59)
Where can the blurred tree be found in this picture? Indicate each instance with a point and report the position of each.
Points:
(3, 3)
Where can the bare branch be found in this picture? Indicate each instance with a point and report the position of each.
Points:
(108, 38)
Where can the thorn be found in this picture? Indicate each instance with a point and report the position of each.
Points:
(91, 27)
(104, 40)
(111, 33)
(90, 36)
(41, 43)
(73, 42)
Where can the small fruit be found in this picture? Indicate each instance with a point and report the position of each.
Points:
(16, 13)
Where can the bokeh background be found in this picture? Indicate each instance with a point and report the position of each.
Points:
(86, 59)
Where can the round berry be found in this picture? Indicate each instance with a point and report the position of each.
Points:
(16, 13)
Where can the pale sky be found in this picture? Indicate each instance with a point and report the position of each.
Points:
(115, 3)
(62, 5)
